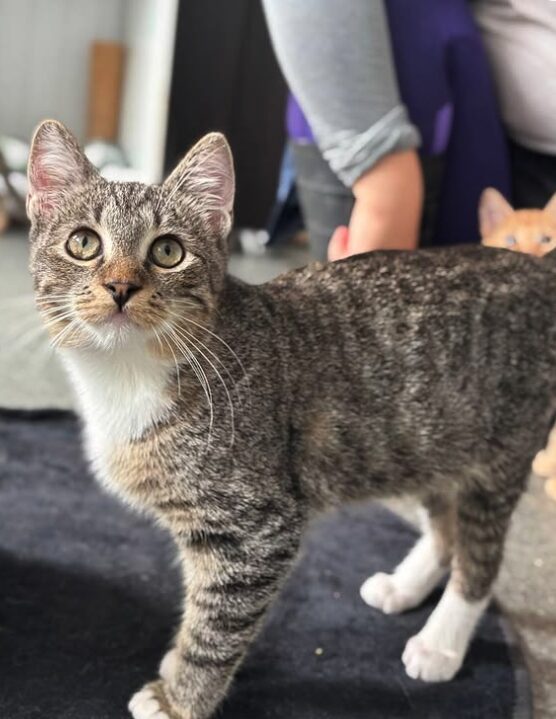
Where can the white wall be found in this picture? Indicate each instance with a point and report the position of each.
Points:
(149, 35)
(44, 59)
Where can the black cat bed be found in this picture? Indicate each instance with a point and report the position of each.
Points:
(89, 597)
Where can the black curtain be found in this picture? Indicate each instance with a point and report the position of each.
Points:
(226, 78)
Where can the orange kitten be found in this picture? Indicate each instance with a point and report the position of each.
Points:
(534, 232)
(531, 231)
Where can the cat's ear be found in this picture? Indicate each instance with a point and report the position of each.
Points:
(56, 167)
(550, 207)
(206, 174)
(493, 209)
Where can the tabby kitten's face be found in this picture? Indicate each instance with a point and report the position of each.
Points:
(116, 261)
(530, 231)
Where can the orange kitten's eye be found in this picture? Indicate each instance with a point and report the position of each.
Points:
(84, 244)
(545, 240)
(166, 252)
(511, 241)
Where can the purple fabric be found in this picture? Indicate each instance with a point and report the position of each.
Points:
(445, 82)
(442, 129)
(477, 154)
(296, 122)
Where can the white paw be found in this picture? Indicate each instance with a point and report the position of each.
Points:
(380, 591)
(431, 664)
(168, 665)
(143, 705)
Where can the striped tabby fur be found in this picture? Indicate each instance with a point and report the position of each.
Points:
(233, 414)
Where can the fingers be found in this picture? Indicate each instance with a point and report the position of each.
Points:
(338, 245)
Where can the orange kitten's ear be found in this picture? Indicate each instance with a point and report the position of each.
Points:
(56, 167)
(493, 209)
(206, 174)
(550, 207)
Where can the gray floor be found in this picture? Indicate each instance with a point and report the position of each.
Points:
(30, 377)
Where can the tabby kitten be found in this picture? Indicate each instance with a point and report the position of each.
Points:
(233, 414)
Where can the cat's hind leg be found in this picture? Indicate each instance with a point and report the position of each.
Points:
(423, 568)
(438, 651)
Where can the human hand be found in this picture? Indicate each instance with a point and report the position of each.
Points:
(387, 209)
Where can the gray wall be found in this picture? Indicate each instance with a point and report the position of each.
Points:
(44, 59)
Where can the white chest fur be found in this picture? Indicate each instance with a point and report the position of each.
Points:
(121, 394)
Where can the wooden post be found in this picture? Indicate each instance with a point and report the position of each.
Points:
(105, 90)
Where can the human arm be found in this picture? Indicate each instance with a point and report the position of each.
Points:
(337, 59)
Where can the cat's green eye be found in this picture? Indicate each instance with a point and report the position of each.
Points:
(84, 245)
(166, 252)
(546, 240)
(510, 241)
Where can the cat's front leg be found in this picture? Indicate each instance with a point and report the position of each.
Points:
(228, 591)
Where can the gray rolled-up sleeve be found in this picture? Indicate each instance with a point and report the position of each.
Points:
(337, 59)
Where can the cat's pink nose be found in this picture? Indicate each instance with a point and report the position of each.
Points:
(121, 291)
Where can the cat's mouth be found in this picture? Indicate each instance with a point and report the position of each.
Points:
(117, 329)
(120, 318)
(91, 323)
(106, 317)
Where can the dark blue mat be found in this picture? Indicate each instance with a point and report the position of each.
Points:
(89, 595)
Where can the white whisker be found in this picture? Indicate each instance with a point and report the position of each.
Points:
(198, 371)
(51, 321)
(203, 345)
(59, 337)
(173, 355)
(185, 301)
(192, 340)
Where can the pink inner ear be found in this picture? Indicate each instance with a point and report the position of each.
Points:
(213, 175)
(493, 210)
(41, 184)
(225, 188)
(56, 166)
(490, 219)
(51, 172)
(41, 180)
